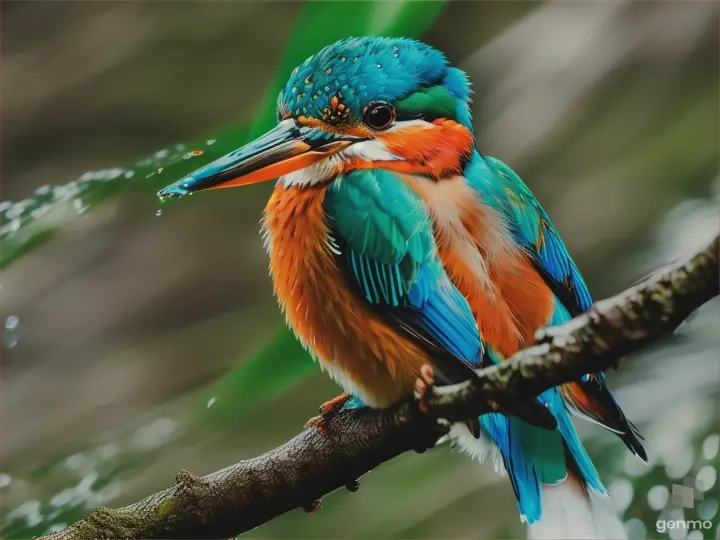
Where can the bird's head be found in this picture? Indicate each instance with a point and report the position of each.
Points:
(361, 103)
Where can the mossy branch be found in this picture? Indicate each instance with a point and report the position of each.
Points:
(247, 494)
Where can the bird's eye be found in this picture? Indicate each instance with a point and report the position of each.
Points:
(379, 115)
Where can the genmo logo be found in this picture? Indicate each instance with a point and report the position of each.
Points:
(684, 496)
(695, 524)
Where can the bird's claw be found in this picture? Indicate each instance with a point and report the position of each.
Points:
(312, 507)
(423, 387)
(319, 422)
(353, 486)
(327, 411)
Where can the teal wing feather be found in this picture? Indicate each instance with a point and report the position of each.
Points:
(381, 235)
(533, 229)
(500, 187)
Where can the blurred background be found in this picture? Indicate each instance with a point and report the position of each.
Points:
(142, 339)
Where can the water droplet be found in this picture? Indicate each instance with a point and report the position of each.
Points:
(108, 451)
(395, 55)
(5, 480)
(15, 210)
(155, 434)
(379, 66)
(197, 152)
(78, 206)
(210, 141)
(76, 462)
(160, 170)
(29, 511)
(129, 174)
(158, 213)
(11, 331)
(187, 155)
(12, 322)
(112, 174)
(211, 402)
(15, 224)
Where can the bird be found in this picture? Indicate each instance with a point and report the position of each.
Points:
(403, 257)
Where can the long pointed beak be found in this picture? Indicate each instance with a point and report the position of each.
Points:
(282, 150)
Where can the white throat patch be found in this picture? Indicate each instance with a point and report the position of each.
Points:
(322, 171)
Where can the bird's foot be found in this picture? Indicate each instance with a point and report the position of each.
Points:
(423, 387)
(423, 390)
(312, 507)
(353, 486)
(327, 411)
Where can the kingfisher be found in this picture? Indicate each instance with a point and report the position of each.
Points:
(394, 245)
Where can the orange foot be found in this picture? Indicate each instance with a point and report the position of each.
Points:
(423, 386)
(327, 410)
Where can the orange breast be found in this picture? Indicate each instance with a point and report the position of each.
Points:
(526, 295)
(360, 351)
(509, 299)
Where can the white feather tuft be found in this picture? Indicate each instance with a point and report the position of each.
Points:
(571, 512)
(479, 449)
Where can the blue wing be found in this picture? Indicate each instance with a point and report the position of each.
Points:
(500, 187)
(532, 229)
(382, 236)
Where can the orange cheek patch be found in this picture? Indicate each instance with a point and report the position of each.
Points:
(439, 150)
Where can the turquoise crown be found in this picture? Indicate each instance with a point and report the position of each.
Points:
(360, 71)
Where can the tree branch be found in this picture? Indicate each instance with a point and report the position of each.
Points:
(247, 494)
